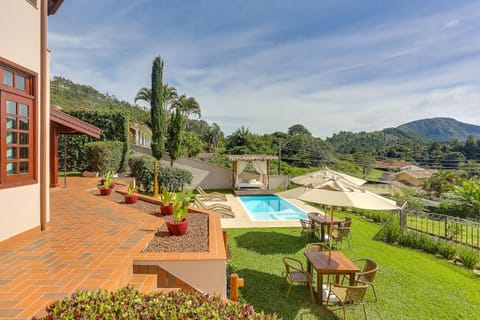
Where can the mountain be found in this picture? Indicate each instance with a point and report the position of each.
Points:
(442, 129)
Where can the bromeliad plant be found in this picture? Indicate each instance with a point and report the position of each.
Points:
(107, 185)
(128, 303)
(167, 205)
(179, 224)
(131, 197)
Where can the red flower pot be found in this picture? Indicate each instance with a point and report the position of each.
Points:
(177, 229)
(105, 191)
(167, 210)
(132, 198)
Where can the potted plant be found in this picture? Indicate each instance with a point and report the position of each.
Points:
(166, 208)
(107, 186)
(131, 197)
(108, 175)
(179, 224)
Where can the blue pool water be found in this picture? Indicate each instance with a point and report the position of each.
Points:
(271, 208)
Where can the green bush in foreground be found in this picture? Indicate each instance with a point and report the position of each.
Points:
(128, 303)
(469, 257)
(447, 249)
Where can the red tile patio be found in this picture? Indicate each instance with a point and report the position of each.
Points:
(89, 243)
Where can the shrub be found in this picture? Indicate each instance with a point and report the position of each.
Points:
(391, 232)
(115, 127)
(409, 239)
(173, 178)
(128, 303)
(103, 156)
(427, 243)
(468, 257)
(447, 249)
(141, 167)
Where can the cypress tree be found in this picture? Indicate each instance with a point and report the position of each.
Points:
(158, 113)
(175, 132)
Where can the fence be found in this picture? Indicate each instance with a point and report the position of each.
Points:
(450, 228)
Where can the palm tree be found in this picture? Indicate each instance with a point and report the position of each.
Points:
(214, 137)
(187, 106)
(169, 96)
(144, 94)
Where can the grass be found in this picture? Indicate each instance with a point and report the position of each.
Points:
(410, 284)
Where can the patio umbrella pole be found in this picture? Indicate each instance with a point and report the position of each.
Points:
(332, 209)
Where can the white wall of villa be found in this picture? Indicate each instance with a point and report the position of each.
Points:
(20, 44)
(140, 134)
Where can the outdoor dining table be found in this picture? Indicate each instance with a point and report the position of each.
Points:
(338, 265)
(324, 221)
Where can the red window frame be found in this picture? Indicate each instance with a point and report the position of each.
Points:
(28, 97)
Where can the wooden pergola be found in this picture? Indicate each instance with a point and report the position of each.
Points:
(261, 163)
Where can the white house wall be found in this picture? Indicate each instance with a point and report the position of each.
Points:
(20, 43)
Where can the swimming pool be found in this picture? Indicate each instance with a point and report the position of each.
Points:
(271, 208)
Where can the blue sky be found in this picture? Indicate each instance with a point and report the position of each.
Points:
(268, 64)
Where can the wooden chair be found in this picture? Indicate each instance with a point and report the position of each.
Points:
(308, 228)
(349, 295)
(295, 273)
(213, 196)
(341, 234)
(367, 275)
(317, 247)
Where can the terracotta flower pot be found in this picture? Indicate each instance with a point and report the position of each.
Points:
(167, 210)
(177, 229)
(105, 191)
(131, 198)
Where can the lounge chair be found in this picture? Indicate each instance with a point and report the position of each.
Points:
(213, 196)
(218, 207)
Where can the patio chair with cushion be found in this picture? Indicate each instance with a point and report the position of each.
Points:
(341, 234)
(349, 295)
(308, 228)
(295, 273)
(213, 196)
(218, 207)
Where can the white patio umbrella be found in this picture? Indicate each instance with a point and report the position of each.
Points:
(321, 176)
(334, 193)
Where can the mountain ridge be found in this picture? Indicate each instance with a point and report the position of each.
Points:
(441, 129)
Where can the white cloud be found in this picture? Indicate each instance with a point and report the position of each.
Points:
(377, 75)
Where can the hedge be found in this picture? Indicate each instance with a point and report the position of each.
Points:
(141, 167)
(103, 156)
(128, 303)
(115, 127)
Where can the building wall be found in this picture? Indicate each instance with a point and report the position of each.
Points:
(20, 43)
(409, 179)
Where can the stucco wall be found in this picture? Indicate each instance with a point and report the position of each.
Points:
(208, 276)
(206, 175)
(20, 34)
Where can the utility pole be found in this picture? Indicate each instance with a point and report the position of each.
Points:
(279, 156)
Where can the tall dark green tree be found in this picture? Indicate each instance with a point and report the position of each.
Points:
(158, 113)
(175, 133)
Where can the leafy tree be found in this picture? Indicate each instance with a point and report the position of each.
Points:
(298, 129)
(214, 136)
(158, 113)
(187, 106)
(465, 199)
(175, 133)
(441, 182)
(192, 144)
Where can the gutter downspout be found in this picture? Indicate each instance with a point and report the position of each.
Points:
(43, 179)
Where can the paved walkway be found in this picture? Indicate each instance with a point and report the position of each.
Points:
(88, 244)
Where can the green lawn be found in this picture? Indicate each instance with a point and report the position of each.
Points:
(410, 284)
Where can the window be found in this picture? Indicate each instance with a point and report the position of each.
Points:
(18, 143)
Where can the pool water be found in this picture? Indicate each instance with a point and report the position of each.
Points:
(271, 208)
